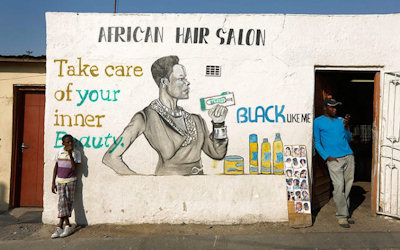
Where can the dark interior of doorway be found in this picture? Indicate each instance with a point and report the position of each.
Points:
(355, 89)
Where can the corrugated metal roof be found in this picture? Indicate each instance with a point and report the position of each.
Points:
(23, 58)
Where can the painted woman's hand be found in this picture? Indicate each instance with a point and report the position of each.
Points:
(218, 113)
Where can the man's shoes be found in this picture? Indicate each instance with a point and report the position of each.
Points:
(67, 231)
(57, 233)
(344, 223)
(350, 221)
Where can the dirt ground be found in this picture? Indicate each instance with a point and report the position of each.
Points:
(26, 224)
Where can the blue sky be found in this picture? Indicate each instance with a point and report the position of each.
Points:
(23, 26)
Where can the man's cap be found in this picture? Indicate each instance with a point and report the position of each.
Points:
(331, 102)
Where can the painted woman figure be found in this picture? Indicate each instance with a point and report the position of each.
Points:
(176, 135)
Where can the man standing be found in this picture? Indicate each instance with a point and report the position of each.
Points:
(332, 137)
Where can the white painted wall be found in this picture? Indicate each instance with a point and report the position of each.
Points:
(279, 73)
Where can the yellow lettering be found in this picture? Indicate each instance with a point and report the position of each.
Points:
(62, 120)
(69, 91)
(119, 70)
(94, 71)
(61, 97)
(78, 120)
(71, 70)
(82, 120)
(106, 70)
(89, 118)
(56, 124)
(60, 74)
(127, 70)
(139, 70)
(98, 120)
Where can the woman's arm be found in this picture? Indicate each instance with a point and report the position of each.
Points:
(113, 157)
(216, 144)
(214, 148)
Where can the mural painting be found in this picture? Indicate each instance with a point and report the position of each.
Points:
(191, 111)
(177, 135)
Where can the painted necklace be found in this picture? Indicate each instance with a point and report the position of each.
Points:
(171, 112)
(191, 133)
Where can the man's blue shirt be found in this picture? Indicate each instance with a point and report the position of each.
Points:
(331, 139)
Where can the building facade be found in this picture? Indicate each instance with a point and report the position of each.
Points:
(107, 83)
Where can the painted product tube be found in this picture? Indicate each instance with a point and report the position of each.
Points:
(278, 155)
(253, 145)
(225, 99)
(266, 157)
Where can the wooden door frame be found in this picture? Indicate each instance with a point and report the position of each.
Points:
(379, 69)
(375, 141)
(17, 132)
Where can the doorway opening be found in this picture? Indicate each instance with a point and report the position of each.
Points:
(356, 89)
(28, 142)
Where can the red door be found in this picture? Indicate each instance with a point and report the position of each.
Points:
(31, 189)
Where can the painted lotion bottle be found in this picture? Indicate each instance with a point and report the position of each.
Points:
(278, 155)
(253, 154)
(265, 157)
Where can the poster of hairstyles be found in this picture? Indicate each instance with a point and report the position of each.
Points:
(296, 170)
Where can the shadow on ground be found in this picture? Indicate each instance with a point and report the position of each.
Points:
(20, 223)
(357, 197)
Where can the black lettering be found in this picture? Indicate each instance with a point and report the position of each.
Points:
(118, 32)
(195, 35)
(250, 35)
(135, 34)
(305, 118)
(102, 35)
(188, 35)
(148, 35)
(260, 37)
(203, 33)
(240, 39)
(158, 34)
(218, 35)
(179, 35)
(128, 34)
(231, 35)
(110, 33)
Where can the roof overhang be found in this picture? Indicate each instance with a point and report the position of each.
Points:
(23, 58)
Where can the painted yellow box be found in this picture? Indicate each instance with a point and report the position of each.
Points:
(233, 165)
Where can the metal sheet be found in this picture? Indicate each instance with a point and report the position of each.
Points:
(389, 172)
